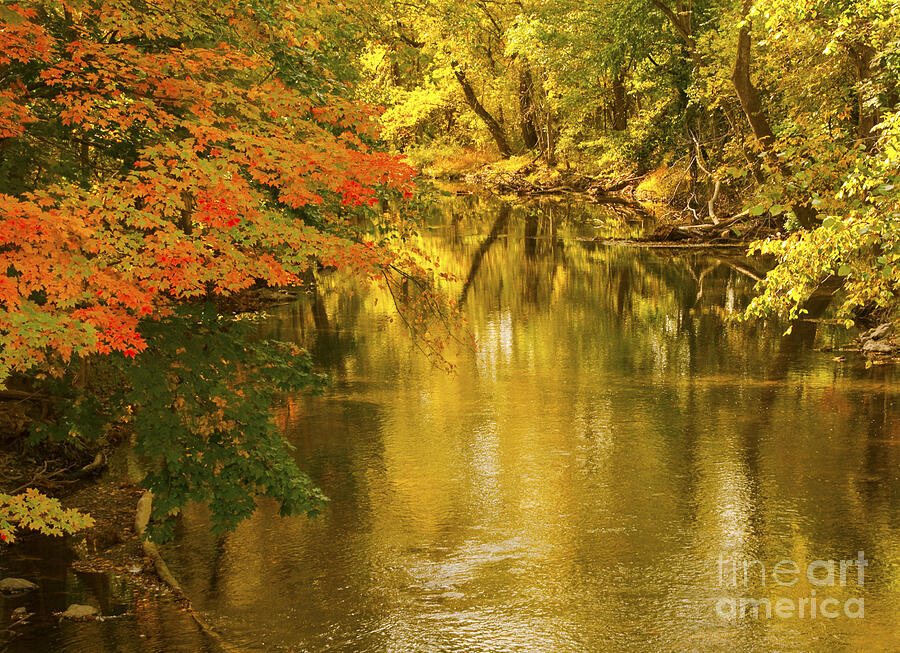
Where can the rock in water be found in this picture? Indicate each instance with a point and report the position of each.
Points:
(879, 341)
(76, 611)
(877, 347)
(20, 615)
(878, 332)
(16, 585)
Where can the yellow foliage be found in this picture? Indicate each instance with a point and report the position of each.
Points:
(663, 183)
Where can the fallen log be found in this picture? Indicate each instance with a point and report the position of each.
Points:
(664, 244)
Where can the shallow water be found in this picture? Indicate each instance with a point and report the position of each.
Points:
(574, 484)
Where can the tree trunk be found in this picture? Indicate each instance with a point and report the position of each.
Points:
(620, 103)
(752, 105)
(493, 126)
(681, 19)
(551, 133)
(395, 73)
(862, 56)
(743, 85)
(187, 213)
(526, 109)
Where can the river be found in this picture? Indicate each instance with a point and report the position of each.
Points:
(615, 468)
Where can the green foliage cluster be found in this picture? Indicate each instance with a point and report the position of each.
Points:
(198, 402)
(859, 240)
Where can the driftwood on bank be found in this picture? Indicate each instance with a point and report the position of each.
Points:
(141, 519)
(8, 394)
(97, 465)
(668, 245)
(44, 479)
(737, 230)
(585, 187)
(519, 182)
(622, 184)
(718, 233)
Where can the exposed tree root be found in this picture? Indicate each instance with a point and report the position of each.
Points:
(141, 519)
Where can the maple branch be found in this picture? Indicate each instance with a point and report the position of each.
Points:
(430, 302)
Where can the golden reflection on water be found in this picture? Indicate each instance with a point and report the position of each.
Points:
(573, 484)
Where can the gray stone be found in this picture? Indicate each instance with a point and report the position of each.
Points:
(16, 585)
(877, 347)
(76, 611)
(878, 332)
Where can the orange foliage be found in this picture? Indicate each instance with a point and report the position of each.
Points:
(197, 167)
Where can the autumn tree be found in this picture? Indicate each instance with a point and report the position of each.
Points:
(440, 64)
(153, 157)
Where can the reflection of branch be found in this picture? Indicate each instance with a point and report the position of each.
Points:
(699, 280)
(496, 229)
(743, 269)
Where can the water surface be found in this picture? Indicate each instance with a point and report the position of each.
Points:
(574, 484)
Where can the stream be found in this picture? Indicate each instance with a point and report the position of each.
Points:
(617, 467)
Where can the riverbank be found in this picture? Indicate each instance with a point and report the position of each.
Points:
(100, 478)
(661, 194)
(109, 493)
(96, 575)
